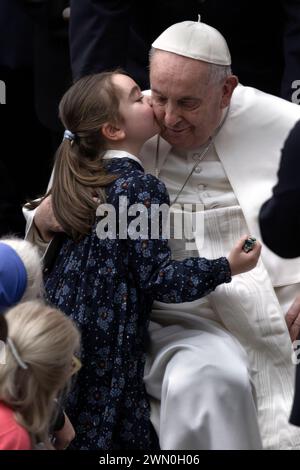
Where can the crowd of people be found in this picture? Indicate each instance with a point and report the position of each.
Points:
(185, 342)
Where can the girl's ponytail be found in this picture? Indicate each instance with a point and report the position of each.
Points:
(79, 174)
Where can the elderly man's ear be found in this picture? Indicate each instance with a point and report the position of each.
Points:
(230, 83)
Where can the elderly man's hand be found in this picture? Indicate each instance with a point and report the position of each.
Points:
(45, 220)
(292, 319)
(66, 13)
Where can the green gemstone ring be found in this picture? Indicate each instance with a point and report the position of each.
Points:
(249, 244)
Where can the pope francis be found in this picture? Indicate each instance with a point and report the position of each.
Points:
(215, 360)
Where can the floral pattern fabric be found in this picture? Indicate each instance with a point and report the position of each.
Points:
(107, 287)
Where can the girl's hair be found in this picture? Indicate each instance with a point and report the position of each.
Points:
(79, 174)
(31, 258)
(45, 340)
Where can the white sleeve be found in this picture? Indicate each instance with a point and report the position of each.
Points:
(31, 232)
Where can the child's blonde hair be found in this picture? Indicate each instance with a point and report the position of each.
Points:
(45, 340)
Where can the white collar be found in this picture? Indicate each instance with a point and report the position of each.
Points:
(109, 154)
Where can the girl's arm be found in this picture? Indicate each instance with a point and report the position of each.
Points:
(150, 258)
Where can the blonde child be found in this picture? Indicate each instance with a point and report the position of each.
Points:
(40, 348)
(20, 280)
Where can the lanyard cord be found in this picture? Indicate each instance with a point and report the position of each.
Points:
(200, 158)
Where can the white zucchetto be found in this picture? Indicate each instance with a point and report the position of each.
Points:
(196, 40)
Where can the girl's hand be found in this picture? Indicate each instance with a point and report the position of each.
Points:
(241, 262)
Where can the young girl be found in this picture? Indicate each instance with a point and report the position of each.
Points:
(107, 284)
(39, 363)
(21, 279)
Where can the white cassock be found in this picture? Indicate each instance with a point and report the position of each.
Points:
(215, 360)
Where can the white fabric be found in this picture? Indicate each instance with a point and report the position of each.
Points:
(247, 307)
(196, 40)
(208, 185)
(201, 373)
(120, 154)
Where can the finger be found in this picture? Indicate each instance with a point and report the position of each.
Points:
(296, 304)
(256, 249)
(97, 200)
(53, 225)
(294, 332)
(294, 310)
(292, 318)
(288, 320)
(57, 228)
(240, 243)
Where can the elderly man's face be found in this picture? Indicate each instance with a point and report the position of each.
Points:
(187, 107)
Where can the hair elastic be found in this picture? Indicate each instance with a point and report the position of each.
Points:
(68, 135)
(15, 353)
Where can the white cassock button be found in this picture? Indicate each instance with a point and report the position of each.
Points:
(198, 170)
(201, 187)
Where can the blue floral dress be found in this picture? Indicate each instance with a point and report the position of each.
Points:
(107, 287)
